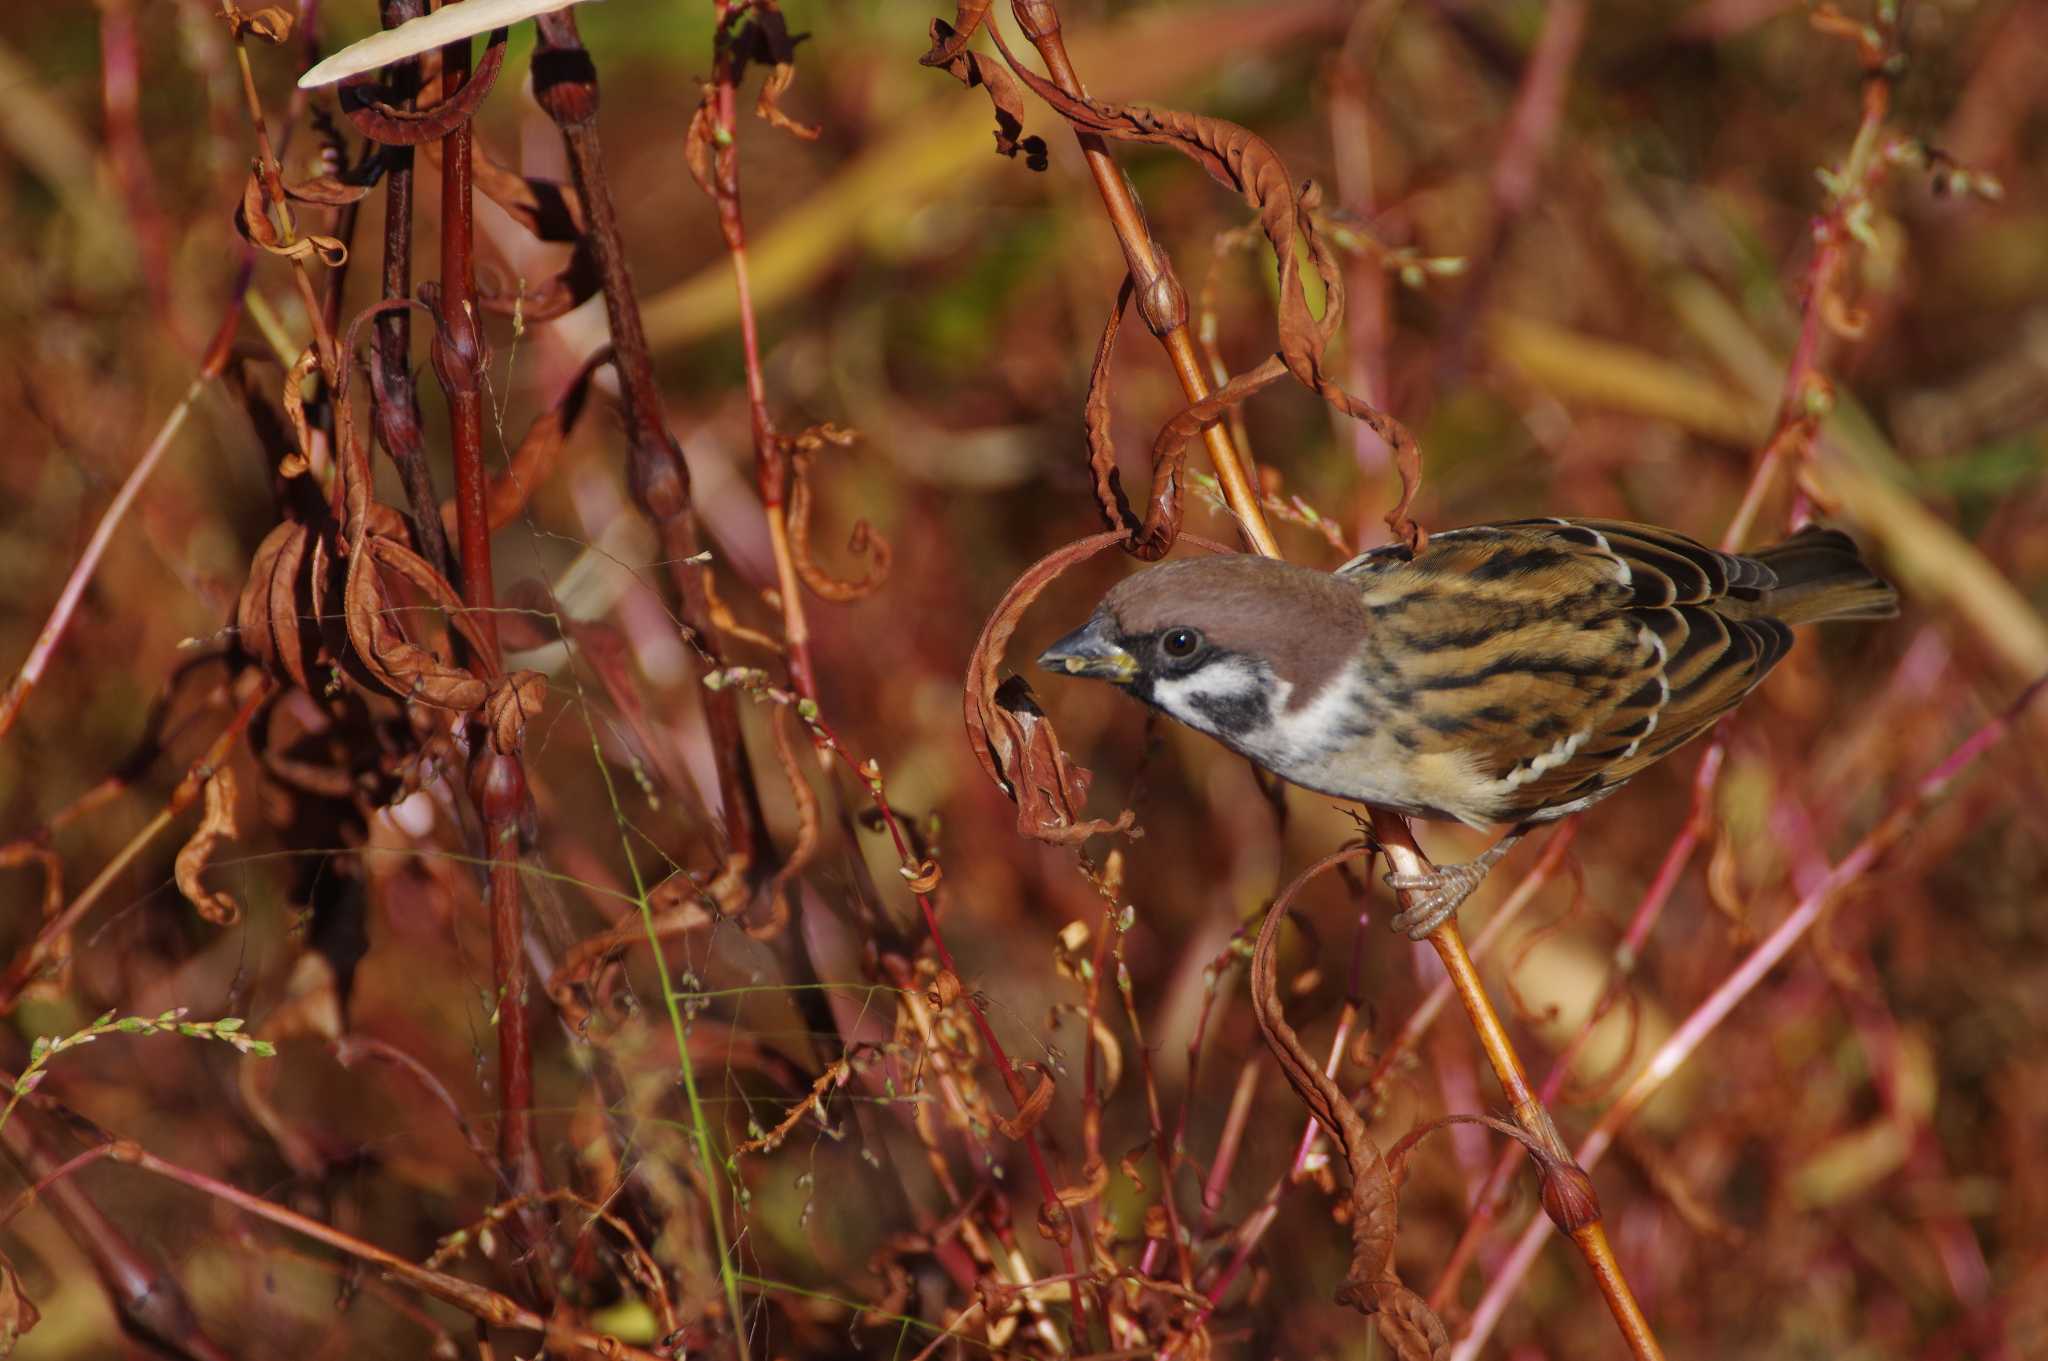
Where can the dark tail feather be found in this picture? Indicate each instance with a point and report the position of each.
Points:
(1822, 576)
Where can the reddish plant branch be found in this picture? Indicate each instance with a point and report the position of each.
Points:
(771, 455)
(1486, 1205)
(1721, 1003)
(1806, 398)
(565, 83)
(52, 633)
(1162, 301)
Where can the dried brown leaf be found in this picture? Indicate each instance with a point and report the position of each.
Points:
(217, 825)
(1406, 1323)
(18, 1313)
(1241, 160)
(949, 53)
(1010, 734)
(328, 191)
(803, 450)
(1033, 1109)
(253, 221)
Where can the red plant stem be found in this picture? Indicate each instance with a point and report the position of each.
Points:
(565, 84)
(1805, 398)
(1708, 1016)
(497, 779)
(485, 1305)
(458, 357)
(1019, 1092)
(1255, 1225)
(1162, 300)
(771, 460)
(45, 645)
(144, 1294)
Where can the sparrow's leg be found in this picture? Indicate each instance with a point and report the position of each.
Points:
(1439, 892)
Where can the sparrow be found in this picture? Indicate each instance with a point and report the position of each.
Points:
(1505, 674)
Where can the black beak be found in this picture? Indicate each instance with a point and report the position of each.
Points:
(1091, 651)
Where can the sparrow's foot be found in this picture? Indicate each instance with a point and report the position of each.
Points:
(1436, 896)
(1438, 892)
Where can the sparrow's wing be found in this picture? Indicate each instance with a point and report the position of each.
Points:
(1557, 658)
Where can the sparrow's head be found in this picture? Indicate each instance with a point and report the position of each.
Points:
(1228, 644)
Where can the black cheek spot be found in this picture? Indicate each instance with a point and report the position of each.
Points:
(1234, 713)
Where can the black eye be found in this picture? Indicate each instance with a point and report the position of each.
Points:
(1180, 644)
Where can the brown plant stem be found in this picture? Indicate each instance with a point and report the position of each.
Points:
(1162, 301)
(145, 1294)
(1806, 396)
(280, 203)
(487, 1306)
(395, 403)
(458, 358)
(565, 83)
(1721, 1003)
(52, 633)
(771, 458)
(1164, 305)
(497, 779)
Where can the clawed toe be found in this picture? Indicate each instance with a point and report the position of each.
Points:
(1434, 897)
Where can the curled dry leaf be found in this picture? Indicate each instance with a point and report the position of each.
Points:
(402, 666)
(949, 53)
(807, 839)
(923, 877)
(944, 991)
(1095, 415)
(1241, 160)
(304, 367)
(327, 191)
(803, 449)
(1033, 1107)
(1010, 734)
(271, 24)
(1095, 1181)
(216, 826)
(1055, 1223)
(1408, 1325)
(513, 700)
(18, 1313)
(968, 17)
(253, 221)
(381, 121)
(253, 632)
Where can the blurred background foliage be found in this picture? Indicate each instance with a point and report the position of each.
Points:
(1849, 1168)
